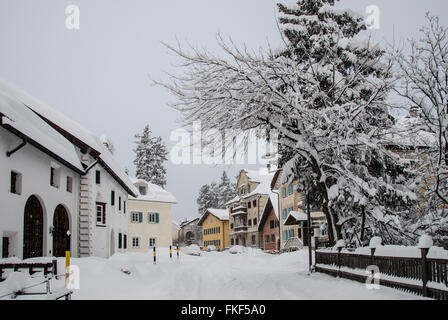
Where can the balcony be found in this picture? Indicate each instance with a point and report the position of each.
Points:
(240, 228)
(240, 210)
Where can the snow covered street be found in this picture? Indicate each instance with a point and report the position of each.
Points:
(215, 275)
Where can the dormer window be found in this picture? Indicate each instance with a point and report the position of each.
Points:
(142, 190)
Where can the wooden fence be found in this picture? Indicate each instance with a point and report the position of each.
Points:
(46, 268)
(423, 276)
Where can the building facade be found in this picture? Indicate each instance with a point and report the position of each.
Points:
(190, 233)
(150, 220)
(215, 228)
(87, 193)
(269, 225)
(246, 209)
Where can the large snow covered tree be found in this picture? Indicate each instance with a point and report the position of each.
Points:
(422, 79)
(150, 156)
(325, 93)
(216, 195)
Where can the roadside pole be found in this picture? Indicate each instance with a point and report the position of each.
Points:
(67, 259)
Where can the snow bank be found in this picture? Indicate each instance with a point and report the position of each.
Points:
(211, 248)
(16, 281)
(192, 249)
(237, 249)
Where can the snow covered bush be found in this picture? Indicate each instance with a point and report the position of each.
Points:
(237, 249)
(192, 249)
(211, 248)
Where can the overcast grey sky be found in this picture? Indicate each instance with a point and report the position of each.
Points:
(98, 75)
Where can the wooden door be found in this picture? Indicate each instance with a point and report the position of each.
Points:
(61, 242)
(33, 229)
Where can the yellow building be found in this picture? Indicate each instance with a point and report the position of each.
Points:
(215, 228)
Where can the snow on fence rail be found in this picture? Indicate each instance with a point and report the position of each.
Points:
(46, 268)
(424, 274)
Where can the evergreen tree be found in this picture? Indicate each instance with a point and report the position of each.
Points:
(216, 195)
(226, 190)
(150, 156)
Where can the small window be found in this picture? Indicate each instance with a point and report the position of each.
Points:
(283, 192)
(55, 176)
(100, 214)
(152, 242)
(120, 241)
(253, 240)
(69, 184)
(290, 189)
(153, 217)
(255, 221)
(254, 203)
(135, 242)
(231, 226)
(284, 213)
(16, 182)
(290, 209)
(273, 238)
(271, 224)
(249, 205)
(136, 217)
(291, 233)
(285, 235)
(231, 241)
(125, 241)
(142, 190)
(119, 203)
(124, 206)
(249, 222)
(98, 177)
(112, 198)
(267, 239)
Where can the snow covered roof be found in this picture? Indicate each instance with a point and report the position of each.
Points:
(221, 214)
(408, 132)
(23, 122)
(294, 217)
(153, 192)
(73, 131)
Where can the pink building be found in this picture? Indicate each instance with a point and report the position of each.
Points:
(269, 225)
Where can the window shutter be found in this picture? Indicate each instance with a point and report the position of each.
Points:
(140, 217)
(157, 217)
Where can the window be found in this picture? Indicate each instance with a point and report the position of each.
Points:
(253, 240)
(284, 213)
(271, 224)
(254, 203)
(152, 242)
(120, 241)
(100, 214)
(231, 226)
(135, 242)
(290, 189)
(124, 206)
(273, 238)
(249, 205)
(142, 190)
(69, 184)
(125, 241)
(291, 233)
(16, 182)
(248, 188)
(299, 233)
(249, 222)
(112, 198)
(285, 235)
(255, 222)
(119, 203)
(267, 239)
(97, 176)
(231, 241)
(136, 217)
(55, 173)
(283, 192)
(153, 217)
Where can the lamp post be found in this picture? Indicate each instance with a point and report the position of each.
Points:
(310, 257)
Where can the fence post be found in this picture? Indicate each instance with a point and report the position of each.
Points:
(55, 269)
(171, 252)
(177, 251)
(425, 269)
(424, 243)
(339, 244)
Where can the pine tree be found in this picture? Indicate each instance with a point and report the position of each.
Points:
(226, 190)
(150, 156)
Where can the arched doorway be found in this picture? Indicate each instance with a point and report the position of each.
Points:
(60, 227)
(33, 229)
